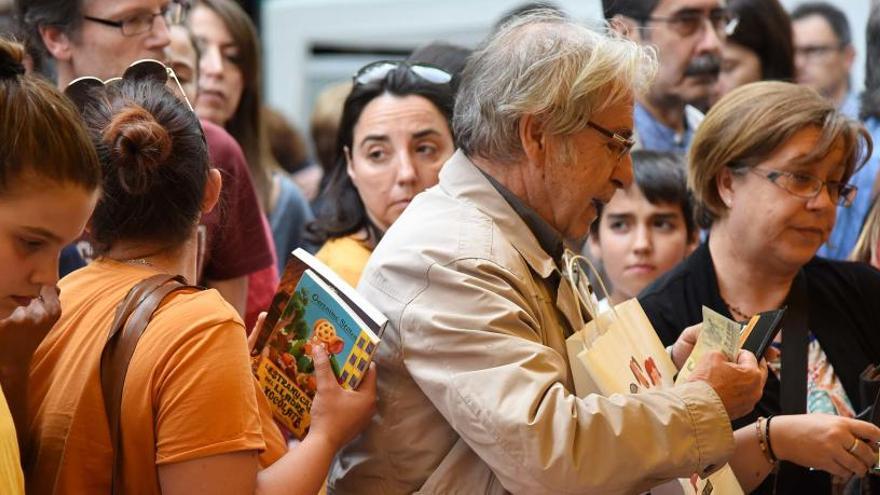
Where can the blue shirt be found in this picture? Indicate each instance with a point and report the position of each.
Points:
(850, 105)
(654, 135)
(70, 260)
(289, 219)
(850, 220)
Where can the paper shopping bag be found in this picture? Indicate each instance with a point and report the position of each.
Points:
(618, 352)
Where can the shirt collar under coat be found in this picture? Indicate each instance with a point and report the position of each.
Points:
(464, 180)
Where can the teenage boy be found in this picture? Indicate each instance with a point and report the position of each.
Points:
(646, 228)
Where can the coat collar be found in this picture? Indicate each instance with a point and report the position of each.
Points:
(462, 179)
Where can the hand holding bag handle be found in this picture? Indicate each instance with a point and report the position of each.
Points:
(132, 317)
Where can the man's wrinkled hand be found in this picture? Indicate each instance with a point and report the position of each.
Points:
(739, 385)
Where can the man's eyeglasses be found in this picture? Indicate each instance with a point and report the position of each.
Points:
(173, 14)
(622, 144)
(377, 71)
(808, 186)
(816, 51)
(688, 22)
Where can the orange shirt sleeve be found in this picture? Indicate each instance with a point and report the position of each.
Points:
(205, 397)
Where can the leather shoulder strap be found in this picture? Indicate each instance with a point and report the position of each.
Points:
(132, 317)
(795, 340)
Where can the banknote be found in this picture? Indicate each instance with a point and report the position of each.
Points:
(718, 334)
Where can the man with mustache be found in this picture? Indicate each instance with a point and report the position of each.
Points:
(687, 35)
(101, 38)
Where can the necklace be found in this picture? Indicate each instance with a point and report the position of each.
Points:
(738, 313)
(139, 261)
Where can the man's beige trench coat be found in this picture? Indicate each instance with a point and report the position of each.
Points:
(475, 394)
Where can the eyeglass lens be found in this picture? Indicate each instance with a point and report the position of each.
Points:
(689, 23)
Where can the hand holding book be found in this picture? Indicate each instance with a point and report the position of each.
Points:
(314, 313)
(359, 405)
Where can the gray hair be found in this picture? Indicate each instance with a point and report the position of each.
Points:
(545, 65)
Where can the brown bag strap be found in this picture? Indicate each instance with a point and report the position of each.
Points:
(132, 317)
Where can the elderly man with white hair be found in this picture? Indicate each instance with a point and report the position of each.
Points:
(475, 390)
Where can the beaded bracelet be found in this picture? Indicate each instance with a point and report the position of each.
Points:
(760, 432)
(773, 457)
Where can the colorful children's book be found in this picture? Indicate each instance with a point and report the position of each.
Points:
(313, 306)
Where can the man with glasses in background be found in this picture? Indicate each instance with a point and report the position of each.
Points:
(101, 38)
(687, 35)
(475, 393)
(824, 54)
(823, 57)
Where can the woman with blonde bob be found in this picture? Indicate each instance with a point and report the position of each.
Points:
(768, 167)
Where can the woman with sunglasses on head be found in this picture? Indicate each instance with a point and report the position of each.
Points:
(768, 167)
(193, 419)
(230, 95)
(49, 182)
(393, 139)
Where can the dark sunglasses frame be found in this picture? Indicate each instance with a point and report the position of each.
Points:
(146, 69)
(80, 90)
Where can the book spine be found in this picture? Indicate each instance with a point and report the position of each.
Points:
(358, 361)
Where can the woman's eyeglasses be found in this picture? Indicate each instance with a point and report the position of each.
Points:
(808, 186)
(142, 70)
(377, 71)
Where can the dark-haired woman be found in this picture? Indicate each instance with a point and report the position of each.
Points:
(393, 138)
(192, 417)
(49, 178)
(230, 95)
(760, 48)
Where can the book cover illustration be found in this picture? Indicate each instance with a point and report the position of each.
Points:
(314, 314)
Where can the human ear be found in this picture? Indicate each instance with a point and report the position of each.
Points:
(57, 42)
(533, 139)
(595, 247)
(849, 55)
(349, 164)
(724, 184)
(626, 27)
(213, 186)
(692, 242)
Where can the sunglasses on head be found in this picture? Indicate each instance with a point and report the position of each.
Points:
(377, 71)
(146, 69)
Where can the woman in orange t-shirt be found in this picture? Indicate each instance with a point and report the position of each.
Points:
(193, 419)
(46, 195)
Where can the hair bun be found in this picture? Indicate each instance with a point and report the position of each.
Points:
(11, 55)
(138, 147)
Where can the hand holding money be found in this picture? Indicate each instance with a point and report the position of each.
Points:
(718, 334)
(738, 384)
